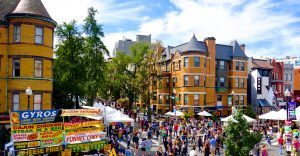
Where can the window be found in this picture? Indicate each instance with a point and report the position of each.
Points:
(196, 80)
(174, 81)
(286, 77)
(242, 66)
(242, 100)
(160, 99)
(16, 101)
(196, 61)
(37, 98)
(186, 61)
(222, 82)
(236, 82)
(274, 87)
(237, 65)
(291, 77)
(167, 99)
(17, 33)
(236, 98)
(16, 68)
(173, 66)
(179, 64)
(196, 99)
(168, 82)
(279, 88)
(222, 64)
(167, 67)
(154, 95)
(242, 83)
(39, 34)
(186, 99)
(204, 62)
(0, 61)
(204, 99)
(219, 98)
(186, 79)
(38, 68)
(276, 76)
(204, 80)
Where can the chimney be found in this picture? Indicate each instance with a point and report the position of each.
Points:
(243, 46)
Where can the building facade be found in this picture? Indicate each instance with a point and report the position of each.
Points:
(124, 45)
(288, 77)
(260, 92)
(277, 78)
(200, 75)
(26, 55)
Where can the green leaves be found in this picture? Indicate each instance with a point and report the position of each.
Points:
(239, 140)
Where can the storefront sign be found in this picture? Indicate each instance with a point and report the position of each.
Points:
(27, 144)
(30, 117)
(81, 112)
(82, 138)
(74, 125)
(39, 151)
(83, 131)
(292, 111)
(99, 145)
(52, 142)
(36, 128)
(19, 137)
(50, 135)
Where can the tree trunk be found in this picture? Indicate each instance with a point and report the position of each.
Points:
(77, 101)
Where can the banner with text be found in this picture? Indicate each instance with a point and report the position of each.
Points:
(21, 137)
(83, 131)
(36, 128)
(31, 117)
(99, 145)
(82, 138)
(39, 151)
(26, 144)
(292, 111)
(74, 125)
(81, 112)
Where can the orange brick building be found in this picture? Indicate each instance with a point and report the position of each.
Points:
(26, 55)
(200, 75)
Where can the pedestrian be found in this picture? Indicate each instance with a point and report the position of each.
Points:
(200, 143)
(184, 148)
(128, 139)
(128, 151)
(213, 144)
(159, 152)
(264, 151)
(166, 144)
(206, 149)
(280, 144)
(193, 152)
(148, 146)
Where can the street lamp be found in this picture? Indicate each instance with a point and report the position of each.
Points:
(232, 106)
(28, 93)
(174, 99)
(287, 95)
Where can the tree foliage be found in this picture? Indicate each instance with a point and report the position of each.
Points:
(239, 140)
(79, 67)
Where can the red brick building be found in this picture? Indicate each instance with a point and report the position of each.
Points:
(277, 78)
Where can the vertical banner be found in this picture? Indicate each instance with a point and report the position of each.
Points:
(291, 111)
(229, 100)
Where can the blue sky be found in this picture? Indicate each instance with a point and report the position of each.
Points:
(269, 28)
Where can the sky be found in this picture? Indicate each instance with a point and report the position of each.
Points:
(268, 28)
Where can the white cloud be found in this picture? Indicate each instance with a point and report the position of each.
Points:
(110, 11)
(250, 22)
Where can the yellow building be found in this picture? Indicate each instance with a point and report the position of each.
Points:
(26, 55)
(200, 75)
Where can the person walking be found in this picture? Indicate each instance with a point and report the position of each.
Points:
(206, 149)
(280, 144)
(264, 151)
(193, 152)
(148, 146)
(128, 139)
(128, 151)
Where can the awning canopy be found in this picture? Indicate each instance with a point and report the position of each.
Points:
(264, 103)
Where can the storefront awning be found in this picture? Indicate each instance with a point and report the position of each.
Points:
(264, 103)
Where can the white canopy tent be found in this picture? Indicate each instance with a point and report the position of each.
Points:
(248, 119)
(178, 113)
(269, 116)
(204, 113)
(169, 113)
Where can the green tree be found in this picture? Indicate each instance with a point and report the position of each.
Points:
(239, 140)
(68, 66)
(250, 112)
(94, 51)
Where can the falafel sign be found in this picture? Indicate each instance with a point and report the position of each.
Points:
(31, 117)
(81, 112)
